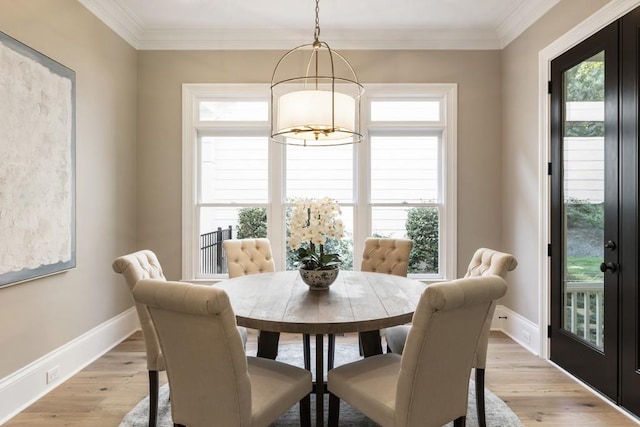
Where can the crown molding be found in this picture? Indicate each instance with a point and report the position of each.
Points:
(515, 21)
(206, 39)
(117, 16)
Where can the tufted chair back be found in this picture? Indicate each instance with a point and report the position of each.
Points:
(488, 262)
(484, 263)
(212, 381)
(434, 375)
(248, 256)
(143, 265)
(388, 256)
(429, 384)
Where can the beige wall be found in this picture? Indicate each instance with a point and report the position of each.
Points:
(161, 74)
(39, 316)
(520, 149)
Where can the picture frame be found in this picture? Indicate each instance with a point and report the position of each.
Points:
(38, 170)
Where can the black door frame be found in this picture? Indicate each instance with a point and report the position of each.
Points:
(595, 367)
(629, 373)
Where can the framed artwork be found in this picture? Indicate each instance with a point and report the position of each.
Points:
(37, 170)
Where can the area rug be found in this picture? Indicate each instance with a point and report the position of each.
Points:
(497, 412)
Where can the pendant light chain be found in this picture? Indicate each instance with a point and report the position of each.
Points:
(316, 32)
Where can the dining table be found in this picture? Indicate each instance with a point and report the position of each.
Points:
(361, 302)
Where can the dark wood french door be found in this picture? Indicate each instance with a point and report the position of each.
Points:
(629, 341)
(595, 299)
(584, 210)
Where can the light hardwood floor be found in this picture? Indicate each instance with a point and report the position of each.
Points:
(539, 393)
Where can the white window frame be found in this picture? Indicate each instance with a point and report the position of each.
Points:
(447, 127)
(192, 94)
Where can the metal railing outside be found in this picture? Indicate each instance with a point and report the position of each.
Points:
(212, 257)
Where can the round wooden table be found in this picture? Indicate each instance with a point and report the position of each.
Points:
(356, 302)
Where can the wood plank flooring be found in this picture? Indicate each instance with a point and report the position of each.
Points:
(539, 393)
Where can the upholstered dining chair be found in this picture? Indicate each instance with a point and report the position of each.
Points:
(428, 384)
(485, 262)
(252, 256)
(212, 381)
(388, 256)
(144, 264)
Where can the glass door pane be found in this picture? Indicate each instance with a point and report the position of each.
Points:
(584, 199)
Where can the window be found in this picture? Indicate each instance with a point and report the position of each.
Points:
(400, 182)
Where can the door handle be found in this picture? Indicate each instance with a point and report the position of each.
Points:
(608, 267)
(611, 245)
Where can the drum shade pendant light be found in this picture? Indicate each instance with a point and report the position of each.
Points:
(315, 96)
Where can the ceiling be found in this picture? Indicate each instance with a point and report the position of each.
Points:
(344, 24)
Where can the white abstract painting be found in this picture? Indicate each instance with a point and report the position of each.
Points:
(37, 164)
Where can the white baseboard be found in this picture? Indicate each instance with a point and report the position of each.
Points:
(521, 330)
(25, 386)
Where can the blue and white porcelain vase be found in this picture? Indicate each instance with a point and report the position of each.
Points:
(319, 280)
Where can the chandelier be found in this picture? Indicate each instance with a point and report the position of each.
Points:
(315, 96)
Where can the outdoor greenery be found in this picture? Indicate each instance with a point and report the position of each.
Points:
(252, 223)
(423, 228)
(585, 83)
(582, 214)
(585, 224)
(584, 269)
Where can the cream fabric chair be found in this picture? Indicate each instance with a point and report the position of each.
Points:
(145, 265)
(388, 256)
(253, 256)
(136, 266)
(428, 385)
(485, 262)
(212, 381)
(248, 256)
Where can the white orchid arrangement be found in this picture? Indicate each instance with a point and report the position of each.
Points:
(313, 222)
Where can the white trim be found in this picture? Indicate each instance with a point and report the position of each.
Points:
(604, 16)
(450, 135)
(446, 92)
(518, 328)
(514, 22)
(449, 126)
(341, 39)
(28, 384)
(189, 92)
(117, 16)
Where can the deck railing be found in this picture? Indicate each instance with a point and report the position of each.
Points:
(212, 257)
(584, 311)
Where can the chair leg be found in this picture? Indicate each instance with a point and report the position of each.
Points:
(482, 422)
(268, 344)
(370, 343)
(306, 350)
(460, 421)
(334, 410)
(331, 351)
(153, 398)
(305, 411)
